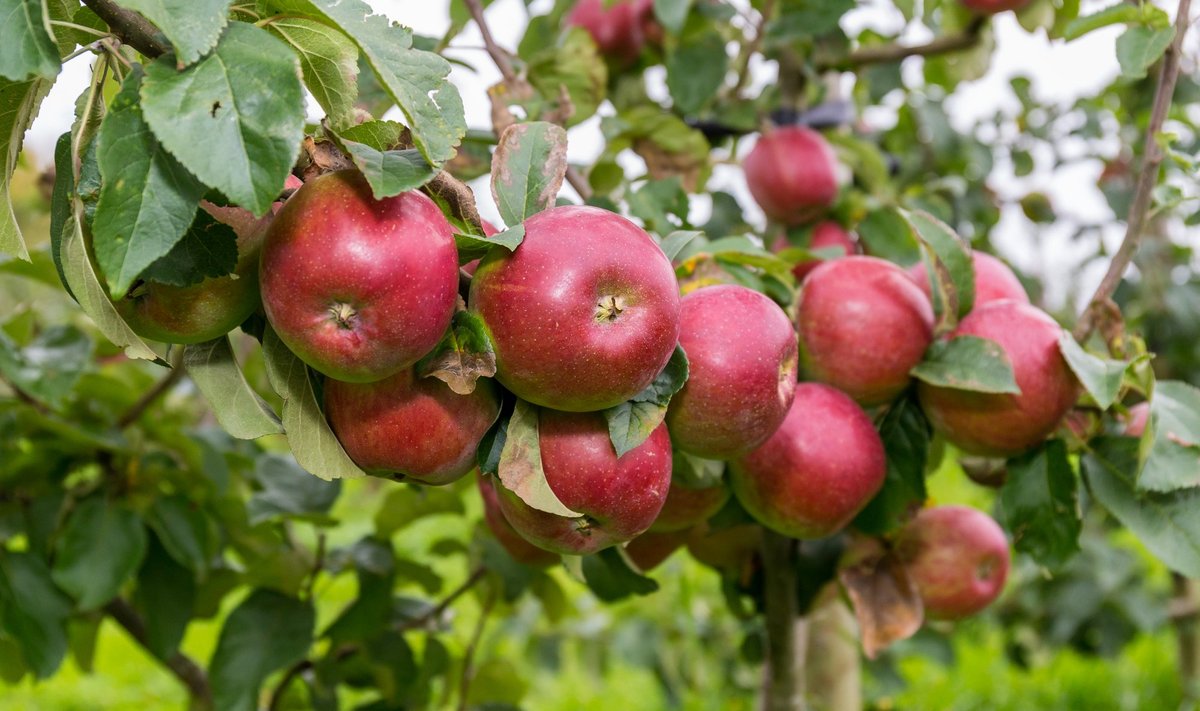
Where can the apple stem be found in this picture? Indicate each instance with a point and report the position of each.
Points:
(787, 631)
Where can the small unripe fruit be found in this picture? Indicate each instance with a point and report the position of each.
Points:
(994, 281)
(958, 559)
(650, 549)
(792, 174)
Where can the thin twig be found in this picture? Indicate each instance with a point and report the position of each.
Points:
(153, 394)
(468, 669)
(1152, 156)
(40, 407)
(885, 53)
(318, 564)
(437, 610)
(182, 666)
(131, 28)
(750, 48)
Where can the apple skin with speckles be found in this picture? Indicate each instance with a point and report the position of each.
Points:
(863, 325)
(741, 351)
(1003, 424)
(792, 174)
(215, 306)
(520, 549)
(619, 498)
(819, 469)
(994, 281)
(583, 315)
(957, 557)
(412, 428)
(358, 288)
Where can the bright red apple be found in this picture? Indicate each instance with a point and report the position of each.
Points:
(520, 549)
(958, 559)
(618, 27)
(414, 427)
(687, 507)
(741, 351)
(819, 469)
(792, 174)
(650, 549)
(584, 314)
(994, 281)
(619, 498)
(1003, 425)
(359, 288)
(863, 325)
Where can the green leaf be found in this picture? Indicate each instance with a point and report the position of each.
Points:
(1038, 504)
(60, 202)
(183, 530)
(464, 355)
(671, 14)
(633, 421)
(329, 62)
(83, 282)
(267, 632)
(1121, 13)
(193, 26)
(906, 439)
(235, 119)
(520, 468)
(695, 70)
(313, 443)
(1166, 523)
(165, 595)
(147, 199)
(528, 168)
(692, 472)
(288, 492)
(677, 240)
(388, 170)
(368, 615)
(802, 19)
(1140, 47)
(26, 44)
(19, 102)
(415, 79)
(953, 276)
(33, 611)
(100, 547)
(471, 247)
(1101, 377)
(611, 576)
(1174, 458)
(213, 367)
(967, 363)
(574, 64)
(406, 505)
(208, 249)
(50, 365)
(887, 235)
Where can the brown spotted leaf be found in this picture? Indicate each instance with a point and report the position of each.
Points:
(520, 468)
(464, 355)
(885, 599)
(528, 169)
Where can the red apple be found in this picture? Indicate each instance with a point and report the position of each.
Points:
(415, 427)
(686, 507)
(520, 549)
(618, 497)
(731, 548)
(991, 7)
(863, 326)
(215, 306)
(1003, 425)
(650, 549)
(618, 27)
(825, 235)
(819, 469)
(1137, 419)
(584, 314)
(741, 351)
(792, 174)
(958, 559)
(994, 281)
(359, 288)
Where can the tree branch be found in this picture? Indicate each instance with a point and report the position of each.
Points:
(435, 612)
(182, 666)
(19, 392)
(1152, 157)
(154, 393)
(783, 688)
(883, 54)
(131, 28)
(468, 666)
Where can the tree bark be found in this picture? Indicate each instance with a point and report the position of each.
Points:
(834, 673)
(787, 636)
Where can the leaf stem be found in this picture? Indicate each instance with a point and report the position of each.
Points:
(1152, 157)
(80, 28)
(883, 54)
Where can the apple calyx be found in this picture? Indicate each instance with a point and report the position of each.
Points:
(608, 308)
(343, 315)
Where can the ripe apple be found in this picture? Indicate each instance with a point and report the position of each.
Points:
(584, 314)
(650, 549)
(991, 7)
(825, 234)
(1137, 419)
(686, 507)
(730, 549)
(358, 288)
(520, 549)
(215, 306)
(1003, 425)
(792, 174)
(619, 498)
(994, 281)
(619, 28)
(417, 428)
(957, 557)
(741, 351)
(863, 325)
(819, 469)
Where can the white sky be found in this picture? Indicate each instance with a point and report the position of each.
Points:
(1059, 71)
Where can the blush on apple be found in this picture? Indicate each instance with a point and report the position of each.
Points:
(619, 28)
(792, 174)
(1004, 425)
(957, 557)
(415, 427)
(994, 281)
(863, 325)
(819, 469)
(584, 314)
(741, 351)
(618, 497)
(1137, 419)
(520, 549)
(358, 288)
